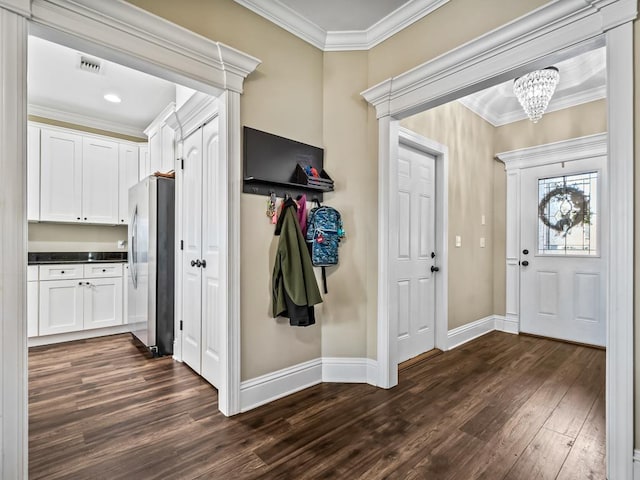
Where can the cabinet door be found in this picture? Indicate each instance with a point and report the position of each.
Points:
(144, 161)
(61, 304)
(60, 176)
(155, 151)
(33, 173)
(128, 171)
(32, 309)
(167, 163)
(99, 181)
(102, 302)
(125, 295)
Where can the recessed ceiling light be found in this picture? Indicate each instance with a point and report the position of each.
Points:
(112, 97)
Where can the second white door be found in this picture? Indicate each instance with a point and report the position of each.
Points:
(414, 245)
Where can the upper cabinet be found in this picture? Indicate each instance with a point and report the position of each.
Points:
(128, 170)
(76, 177)
(60, 176)
(99, 181)
(161, 143)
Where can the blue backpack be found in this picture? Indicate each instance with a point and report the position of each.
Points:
(324, 231)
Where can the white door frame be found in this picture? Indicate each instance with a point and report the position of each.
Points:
(128, 35)
(549, 34)
(441, 153)
(514, 161)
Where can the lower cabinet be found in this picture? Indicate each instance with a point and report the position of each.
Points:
(94, 299)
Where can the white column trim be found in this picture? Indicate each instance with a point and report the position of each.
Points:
(546, 35)
(13, 254)
(619, 390)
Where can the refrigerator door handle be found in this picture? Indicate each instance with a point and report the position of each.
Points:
(133, 261)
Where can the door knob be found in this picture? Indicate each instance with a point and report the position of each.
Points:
(193, 263)
(434, 268)
(198, 263)
(204, 263)
(525, 263)
(525, 252)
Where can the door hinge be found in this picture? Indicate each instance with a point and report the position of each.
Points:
(180, 325)
(181, 244)
(181, 163)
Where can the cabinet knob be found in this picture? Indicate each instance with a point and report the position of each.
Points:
(85, 218)
(79, 283)
(61, 272)
(78, 218)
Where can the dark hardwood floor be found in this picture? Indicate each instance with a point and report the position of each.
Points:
(500, 407)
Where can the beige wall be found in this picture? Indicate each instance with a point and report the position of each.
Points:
(579, 121)
(285, 97)
(58, 237)
(469, 140)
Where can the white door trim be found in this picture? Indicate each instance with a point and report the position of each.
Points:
(551, 33)
(126, 34)
(515, 160)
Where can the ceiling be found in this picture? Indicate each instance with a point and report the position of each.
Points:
(58, 88)
(336, 25)
(582, 79)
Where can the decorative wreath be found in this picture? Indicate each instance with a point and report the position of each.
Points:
(578, 212)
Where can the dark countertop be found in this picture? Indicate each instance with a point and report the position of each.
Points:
(42, 258)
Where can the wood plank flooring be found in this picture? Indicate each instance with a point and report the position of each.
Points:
(500, 407)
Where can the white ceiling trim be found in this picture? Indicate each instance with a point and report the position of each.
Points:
(85, 120)
(567, 101)
(333, 41)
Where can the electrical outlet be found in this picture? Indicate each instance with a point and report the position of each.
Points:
(483, 220)
(482, 242)
(458, 241)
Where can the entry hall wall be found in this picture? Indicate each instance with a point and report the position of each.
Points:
(284, 97)
(469, 140)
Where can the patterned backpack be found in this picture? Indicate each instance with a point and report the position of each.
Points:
(324, 231)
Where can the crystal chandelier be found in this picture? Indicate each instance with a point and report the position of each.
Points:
(534, 91)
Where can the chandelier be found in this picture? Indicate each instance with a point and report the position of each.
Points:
(534, 91)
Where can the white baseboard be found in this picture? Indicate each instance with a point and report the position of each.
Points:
(349, 370)
(267, 388)
(506, 324)
(636, 465)
(80, 335)
(468, 332)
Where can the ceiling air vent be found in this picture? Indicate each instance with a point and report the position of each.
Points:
(90, 64)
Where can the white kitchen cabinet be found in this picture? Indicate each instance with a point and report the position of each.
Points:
(75, 297)
(125, 294)
(168, 149)
(61, 306)
(161, 142)
(144, 161)
(33, 173)
(128, 170)
(102, 302)
(60, 176)
(99, 181)
(32, 301)
(155, 151)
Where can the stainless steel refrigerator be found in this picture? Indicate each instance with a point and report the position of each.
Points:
(151, 257)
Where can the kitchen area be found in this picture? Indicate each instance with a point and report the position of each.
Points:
(96, 129)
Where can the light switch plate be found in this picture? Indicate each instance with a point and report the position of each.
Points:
(458, 241)
(482, 242)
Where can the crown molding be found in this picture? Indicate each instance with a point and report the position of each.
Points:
(413, 90)
(347, 40)
(85, 120)
(563, 151)
(21, 7)
(500, 119)
(163, 47)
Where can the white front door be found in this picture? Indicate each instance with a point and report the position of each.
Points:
(415, 255)
(563, 256)
(191, 256)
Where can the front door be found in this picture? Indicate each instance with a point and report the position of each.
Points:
(564, 250)
(414, 246)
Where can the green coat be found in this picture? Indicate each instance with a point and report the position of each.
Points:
(295, 289)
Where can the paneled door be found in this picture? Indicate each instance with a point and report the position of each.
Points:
(192, 250)
(212, 242)
(563, 256)
(414, 246)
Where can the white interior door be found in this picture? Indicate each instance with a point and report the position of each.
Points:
(213, 278)
(563, 254)
(192, 253)
(414, 282)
